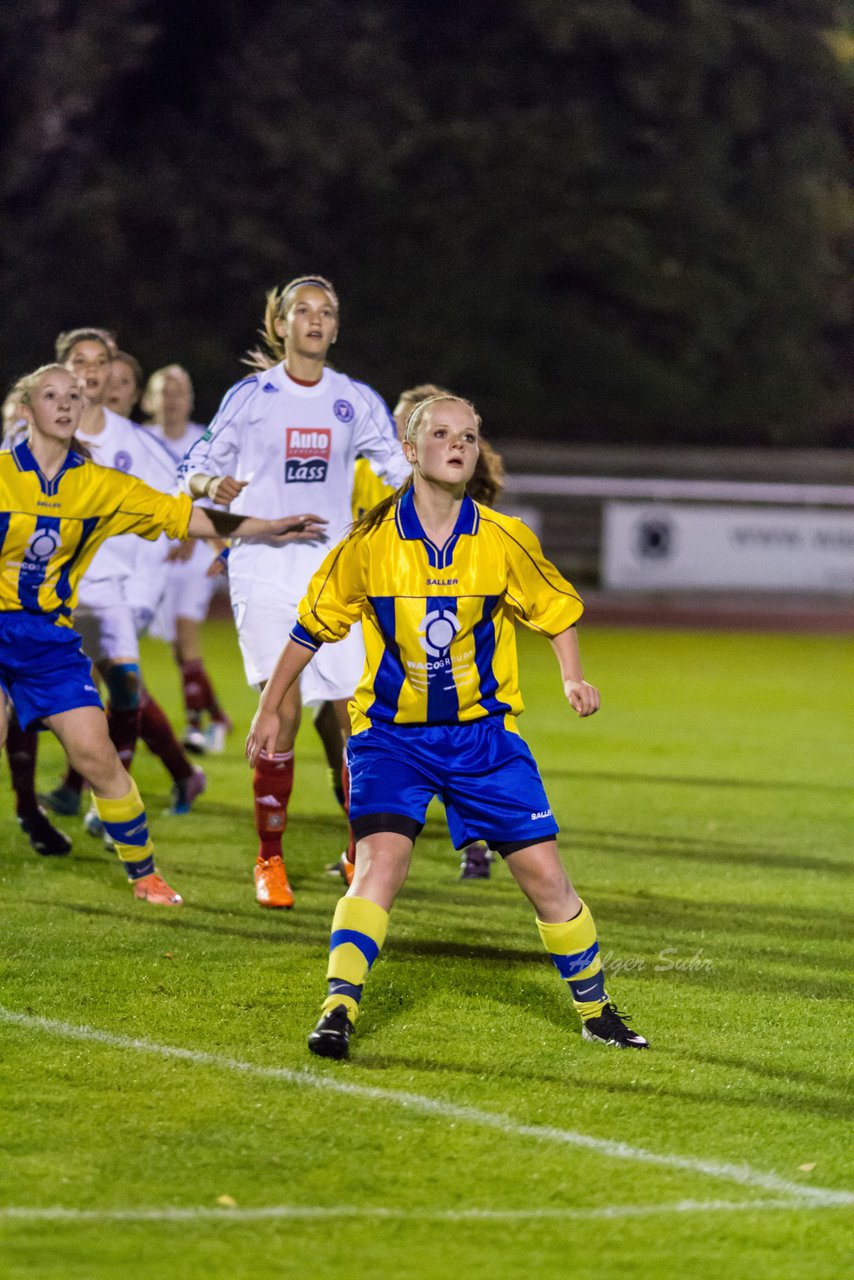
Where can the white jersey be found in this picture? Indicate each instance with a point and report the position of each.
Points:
(177, 446)
(132, 449)
(296, 445)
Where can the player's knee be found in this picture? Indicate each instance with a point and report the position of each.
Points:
(123, 685)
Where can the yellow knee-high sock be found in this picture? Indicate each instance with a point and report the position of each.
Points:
(125, 822)
(573, 947)
(358, 933)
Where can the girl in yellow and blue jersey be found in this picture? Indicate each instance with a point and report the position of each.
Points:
(439, 583)
(56, 508)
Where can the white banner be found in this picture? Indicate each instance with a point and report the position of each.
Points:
(649, 546)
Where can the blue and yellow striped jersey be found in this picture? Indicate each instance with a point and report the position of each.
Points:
(51, 529)
(438, 622)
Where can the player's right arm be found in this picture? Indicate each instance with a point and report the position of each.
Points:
(332, 603)
(206, 471)
(147, 512)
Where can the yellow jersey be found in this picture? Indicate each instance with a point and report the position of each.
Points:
(368, 489)
(438, 622)
(51, 529)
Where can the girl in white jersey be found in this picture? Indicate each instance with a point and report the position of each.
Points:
(285, 438)
(190, 577)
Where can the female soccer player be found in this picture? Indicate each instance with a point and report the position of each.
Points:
(286, 436)
(120, 589)
(168, 403)
(56, 508)
(485, 486)
(438, 583)
(125, 385)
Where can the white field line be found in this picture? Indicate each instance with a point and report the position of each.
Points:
(207, 1213)
(741, 1174)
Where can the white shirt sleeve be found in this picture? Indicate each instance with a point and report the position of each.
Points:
(216, 451)
(376, 437)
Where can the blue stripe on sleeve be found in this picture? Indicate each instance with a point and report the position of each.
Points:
(5, 518)
(299, 635)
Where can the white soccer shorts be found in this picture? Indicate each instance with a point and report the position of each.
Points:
(187, 593)
(104, 619)
(263, 626)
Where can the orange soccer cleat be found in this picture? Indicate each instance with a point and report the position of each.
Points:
(271, 883)
(153, 888)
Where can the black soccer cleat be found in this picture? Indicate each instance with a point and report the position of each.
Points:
(609, 1028)
(331, 1037)
(45, 838)
(64, 800)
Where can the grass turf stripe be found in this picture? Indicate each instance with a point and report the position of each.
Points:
(740, 1174)
(236, 1214)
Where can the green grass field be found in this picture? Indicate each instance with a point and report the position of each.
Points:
(154, 1060)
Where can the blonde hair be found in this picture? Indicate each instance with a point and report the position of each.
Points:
(155, 385)
(377, 514)
(488, 478)
(27, 385)
(272, 351)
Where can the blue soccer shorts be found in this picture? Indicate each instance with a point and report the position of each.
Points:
(43, 669)
(484, 774)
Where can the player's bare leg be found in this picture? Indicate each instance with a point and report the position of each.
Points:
(84, 735)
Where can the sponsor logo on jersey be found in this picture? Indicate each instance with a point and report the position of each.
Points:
(41, 545)
(307, 452)
(443, 582)
(122, 461)
(269, 386)
(438, 630)
(543, 813)
(343, 411)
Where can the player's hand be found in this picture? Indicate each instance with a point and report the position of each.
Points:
(180, 551)
(582, 697)
(224, 489)
(307, 528)
(215, 568)
(262, 735)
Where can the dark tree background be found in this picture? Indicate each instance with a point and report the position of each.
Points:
(619, 220)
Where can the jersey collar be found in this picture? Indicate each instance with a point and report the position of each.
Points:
(279, 379)
(25, 461)
(409, 527)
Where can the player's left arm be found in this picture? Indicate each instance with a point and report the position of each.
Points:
(581, 696)
(264, 729)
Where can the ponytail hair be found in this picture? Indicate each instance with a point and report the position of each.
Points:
(272, 349)
(371, 519)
